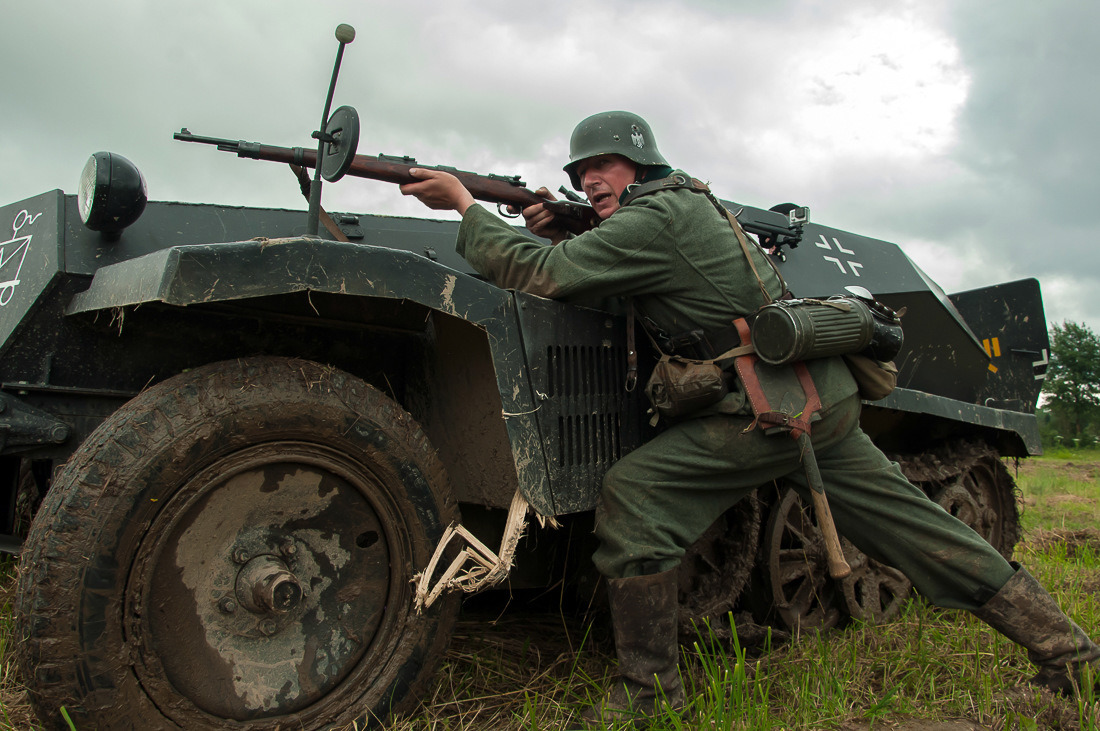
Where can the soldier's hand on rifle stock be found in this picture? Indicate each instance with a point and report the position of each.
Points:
(542, 222)
(438, 190)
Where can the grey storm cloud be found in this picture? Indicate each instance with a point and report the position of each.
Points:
(959, 130)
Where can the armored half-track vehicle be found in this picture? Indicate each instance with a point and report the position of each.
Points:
(263, 463)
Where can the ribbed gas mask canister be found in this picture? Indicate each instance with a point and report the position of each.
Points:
(788, 331)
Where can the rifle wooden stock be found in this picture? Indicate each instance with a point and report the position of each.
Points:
(572, 216)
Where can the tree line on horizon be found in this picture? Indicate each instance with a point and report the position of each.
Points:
(1069, 411)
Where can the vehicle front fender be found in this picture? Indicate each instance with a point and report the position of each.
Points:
(559, 458)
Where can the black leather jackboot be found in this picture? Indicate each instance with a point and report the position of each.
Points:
(644, 617)
(1025, 613)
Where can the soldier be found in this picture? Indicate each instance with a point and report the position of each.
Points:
(663, 241)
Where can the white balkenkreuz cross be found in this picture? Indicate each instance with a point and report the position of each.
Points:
(853, 266)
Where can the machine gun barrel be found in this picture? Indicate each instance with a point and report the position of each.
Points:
(576, 217)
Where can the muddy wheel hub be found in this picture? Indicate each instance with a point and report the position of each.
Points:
(267, 580)
(266, 585)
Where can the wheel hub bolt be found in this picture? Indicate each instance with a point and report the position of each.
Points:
(227, 605)
(268, 627)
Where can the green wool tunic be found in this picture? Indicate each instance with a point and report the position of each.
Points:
(680, 260)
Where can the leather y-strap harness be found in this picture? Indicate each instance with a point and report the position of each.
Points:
(738, 334)
(797, 425)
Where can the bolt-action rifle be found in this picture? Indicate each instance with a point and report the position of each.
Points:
(574, 216)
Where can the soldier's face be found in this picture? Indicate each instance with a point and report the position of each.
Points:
(603, 179)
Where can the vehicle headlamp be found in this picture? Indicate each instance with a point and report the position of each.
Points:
(111, 194)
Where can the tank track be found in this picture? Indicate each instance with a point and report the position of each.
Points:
(970, 480)
(967, 477)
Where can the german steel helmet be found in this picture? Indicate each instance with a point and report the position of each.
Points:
(620, 133)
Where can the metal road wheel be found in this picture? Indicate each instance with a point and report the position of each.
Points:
(984, 497)
(716, 568)
(873, 592)
(795, 567)
(234, 548)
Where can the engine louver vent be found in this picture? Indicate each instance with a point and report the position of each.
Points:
(586, 383)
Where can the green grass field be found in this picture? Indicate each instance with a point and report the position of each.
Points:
(929, 669)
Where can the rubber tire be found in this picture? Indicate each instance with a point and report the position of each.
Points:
(71, 606)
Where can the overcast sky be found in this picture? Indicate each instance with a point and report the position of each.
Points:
(963, 131)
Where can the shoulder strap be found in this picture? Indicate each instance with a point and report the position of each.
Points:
(681, 180)
(743, 240)
(676, 180)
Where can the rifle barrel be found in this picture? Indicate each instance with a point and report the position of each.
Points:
(576, 217)
(186, 136)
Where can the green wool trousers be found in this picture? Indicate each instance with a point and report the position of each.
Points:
(659, 499)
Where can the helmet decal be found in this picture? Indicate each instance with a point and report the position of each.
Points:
(636, 136)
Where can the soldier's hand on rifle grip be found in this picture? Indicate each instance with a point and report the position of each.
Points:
(542, 222)
(438, 190)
